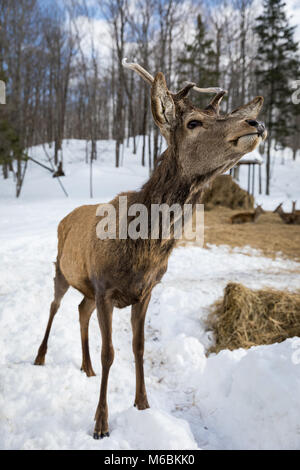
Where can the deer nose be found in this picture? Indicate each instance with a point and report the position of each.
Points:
(252, 122)
(258, 124)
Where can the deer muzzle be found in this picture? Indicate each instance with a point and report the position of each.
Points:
(259, 126)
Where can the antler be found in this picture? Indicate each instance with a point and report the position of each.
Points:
(206, 90)
(213, 105)
(140, 70)
(150, 79)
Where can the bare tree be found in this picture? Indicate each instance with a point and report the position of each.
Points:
(116, 13)
(59, 46)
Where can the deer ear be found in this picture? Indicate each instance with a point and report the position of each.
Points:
(162, 104)
(250, 110)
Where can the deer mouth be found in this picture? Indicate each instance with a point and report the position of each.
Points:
(250, 136)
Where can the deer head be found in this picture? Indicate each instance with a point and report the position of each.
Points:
(259, 209)
(278, 208)
(205, 142)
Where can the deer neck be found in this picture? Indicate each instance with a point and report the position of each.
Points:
(168, 185)
(283, 215)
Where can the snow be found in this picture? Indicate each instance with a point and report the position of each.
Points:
(243, 399)
(252, 157)
(258, 407)
(284, 185)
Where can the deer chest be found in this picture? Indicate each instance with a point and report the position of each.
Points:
(135, 286)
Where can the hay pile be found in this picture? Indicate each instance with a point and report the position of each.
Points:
(246, 317)
(225, 192)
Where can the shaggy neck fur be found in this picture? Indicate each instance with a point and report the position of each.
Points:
(169, 185)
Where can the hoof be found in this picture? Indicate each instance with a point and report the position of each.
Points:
(99, 435)
(89, 373)
(40, 361)
(142, 405)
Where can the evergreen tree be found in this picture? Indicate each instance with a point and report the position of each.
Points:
(276, 67)
(10, 148)
(198, 62)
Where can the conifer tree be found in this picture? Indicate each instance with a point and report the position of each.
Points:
(276, 68)
(198, 61)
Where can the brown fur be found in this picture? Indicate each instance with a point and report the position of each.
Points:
(288, 217)
(243, 217)
(294, 210)
(120, 272)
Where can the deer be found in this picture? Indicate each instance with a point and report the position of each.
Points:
(294, 210)
(287, 217)
(243, 217)
(201, 144)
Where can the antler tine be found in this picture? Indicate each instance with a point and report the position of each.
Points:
(138, 69)
(207, 90)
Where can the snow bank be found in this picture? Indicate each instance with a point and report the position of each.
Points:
(52, 409)
(252, 397)
(153, 429)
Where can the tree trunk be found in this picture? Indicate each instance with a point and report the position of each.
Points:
(117, 154)
(268, 167)
(294, 154)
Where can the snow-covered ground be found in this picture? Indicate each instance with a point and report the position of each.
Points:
(232, 400)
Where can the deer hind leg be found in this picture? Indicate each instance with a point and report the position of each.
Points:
(86, 308)
(60, 288)
(104, 312)
(138, 314)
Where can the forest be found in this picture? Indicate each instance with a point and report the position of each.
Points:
(61, 63)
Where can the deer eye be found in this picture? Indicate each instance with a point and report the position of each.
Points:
(194, 123)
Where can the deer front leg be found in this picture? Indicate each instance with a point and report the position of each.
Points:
(104, 312)
(138, 313)
(86, 308)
